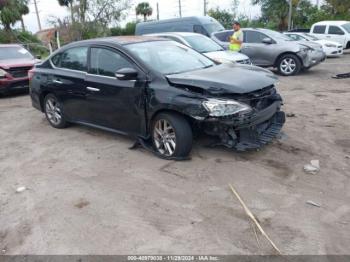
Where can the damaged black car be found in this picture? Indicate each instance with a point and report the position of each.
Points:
(159, 92)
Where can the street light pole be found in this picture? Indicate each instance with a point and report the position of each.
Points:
(37, 15)
(290, 15)
(180, 11)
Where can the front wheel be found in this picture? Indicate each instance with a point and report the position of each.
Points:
(54, 111)
(288, 65)
(171, 135)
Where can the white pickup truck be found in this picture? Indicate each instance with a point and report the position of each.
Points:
(338, 31)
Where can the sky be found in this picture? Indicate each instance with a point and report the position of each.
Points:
(167, 9)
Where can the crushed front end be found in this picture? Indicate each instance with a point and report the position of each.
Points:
(252, 127)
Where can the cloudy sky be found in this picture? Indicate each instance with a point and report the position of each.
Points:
(167, 9)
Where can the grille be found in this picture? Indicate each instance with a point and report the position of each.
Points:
(18, 72)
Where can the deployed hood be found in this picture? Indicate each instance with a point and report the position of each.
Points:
(226, 78)
(226, 55)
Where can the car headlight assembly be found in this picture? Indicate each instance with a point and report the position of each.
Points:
(218, 107)
(223, 60)
(2, 73)
(330, 45)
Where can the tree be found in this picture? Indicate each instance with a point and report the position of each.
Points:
(338, 8)
(68, 3)
(144, 9)
(223, 16)
(12, 11)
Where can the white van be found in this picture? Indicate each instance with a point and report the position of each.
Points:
(338, 31)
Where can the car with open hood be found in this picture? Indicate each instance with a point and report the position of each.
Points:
(15, 62)
(159, 92)
(269, 48)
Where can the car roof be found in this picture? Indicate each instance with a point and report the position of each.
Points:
(175, 34)
(332, 22)
(202, 19)
(121, 40)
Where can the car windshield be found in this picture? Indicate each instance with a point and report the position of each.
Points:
(311, 37)
(14, 52)
(213, 27)
(168, 57)
(274, 34)
(346, 27)
(202, 44)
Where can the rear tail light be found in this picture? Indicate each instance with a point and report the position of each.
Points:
(31, 74)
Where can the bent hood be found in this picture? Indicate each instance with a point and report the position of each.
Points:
(226, 55)
(9, 63)
(226, 78)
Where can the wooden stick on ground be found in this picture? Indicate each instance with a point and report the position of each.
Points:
(250, 214)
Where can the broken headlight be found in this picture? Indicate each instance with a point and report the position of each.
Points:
(2, 73)
(218, 107)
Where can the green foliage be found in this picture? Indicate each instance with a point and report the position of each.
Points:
(225, 17)
(129, 29)
(144, 9)
(11, 11)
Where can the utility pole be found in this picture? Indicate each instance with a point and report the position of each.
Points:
(205, 7)
(290, 15)
(37, 15)
(180, 12)
(318, 4)
(157, 11)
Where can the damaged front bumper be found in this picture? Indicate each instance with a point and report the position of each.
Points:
(248, 132)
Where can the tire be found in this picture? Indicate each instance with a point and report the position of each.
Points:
(288, 65)
(54, 111)
(171, 136)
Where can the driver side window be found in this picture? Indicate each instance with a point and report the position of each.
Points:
(106, 62)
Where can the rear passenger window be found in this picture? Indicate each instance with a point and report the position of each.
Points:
(199, 29)
(335, 30)
(74, 59)
(106, 62)
(319, 29)
(254, 37)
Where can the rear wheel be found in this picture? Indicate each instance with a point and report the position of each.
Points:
(171, 135)
(288, 65)
(54, 111)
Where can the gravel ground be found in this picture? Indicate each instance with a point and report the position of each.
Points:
(87, 193)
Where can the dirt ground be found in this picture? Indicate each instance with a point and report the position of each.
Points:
(87, 193)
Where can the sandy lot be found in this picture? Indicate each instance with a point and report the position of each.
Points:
(89, 194)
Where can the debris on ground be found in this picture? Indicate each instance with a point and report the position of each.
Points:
(266, 216)
(342, 76)
(290, 115)
(313, 167)
(312, 203)
(252, 217)
(20, 189)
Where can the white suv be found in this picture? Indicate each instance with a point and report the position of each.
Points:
(338, 31)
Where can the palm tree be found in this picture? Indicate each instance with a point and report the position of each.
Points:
(144, 9)
(12, 11)
(23, 10)
(68, 3)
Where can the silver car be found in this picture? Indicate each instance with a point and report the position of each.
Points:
(206, 46)
(272, 49)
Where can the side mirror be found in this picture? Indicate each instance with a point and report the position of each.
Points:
(267, 41)
(126, 74)
(38, 56)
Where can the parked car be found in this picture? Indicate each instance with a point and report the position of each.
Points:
(15, 62)
(269, 48)
(159, 92)
(204, 25)
(338, 31)
(331, 48)
(207, 47)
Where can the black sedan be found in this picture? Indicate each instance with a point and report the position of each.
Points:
(159, 92)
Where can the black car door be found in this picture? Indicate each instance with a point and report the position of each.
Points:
(67, 81)
(115, 104)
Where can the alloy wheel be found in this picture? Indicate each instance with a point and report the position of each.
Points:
(164, 137)
(53, 111)
(288, 66)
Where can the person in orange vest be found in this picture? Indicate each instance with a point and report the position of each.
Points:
(236, 40)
